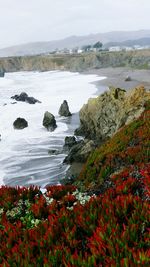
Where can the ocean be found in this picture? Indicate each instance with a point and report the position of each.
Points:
(24, 157)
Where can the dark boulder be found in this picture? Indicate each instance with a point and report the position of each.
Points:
(2, 73)
(49, 121)
(79, 131)
(70, 141)
(23, 97)
(80, 152)
(64, 109)
(53, 152)
(32, 100)
(128, 79)
(20, 123)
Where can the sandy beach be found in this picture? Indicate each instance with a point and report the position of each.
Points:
(116, 77)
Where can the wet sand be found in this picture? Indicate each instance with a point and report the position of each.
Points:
(116, 77)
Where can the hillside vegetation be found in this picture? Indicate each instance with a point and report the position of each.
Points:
(81, 62)
(128, 150)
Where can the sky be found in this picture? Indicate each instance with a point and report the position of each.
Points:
(24, 21)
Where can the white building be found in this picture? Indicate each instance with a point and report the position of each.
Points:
(128, 48)
(115, 48)
(80, 51)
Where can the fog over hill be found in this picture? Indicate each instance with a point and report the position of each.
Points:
(75, 41)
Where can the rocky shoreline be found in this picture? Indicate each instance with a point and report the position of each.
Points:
(131, 109)
(78, 154)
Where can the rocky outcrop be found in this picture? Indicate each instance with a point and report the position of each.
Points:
(70, 141)
(101, 117)
(20, 123)
(126, 151)
(23, 97)
(49, 121)
(64, 109)
(80, 151)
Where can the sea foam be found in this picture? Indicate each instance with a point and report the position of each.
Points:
(24, 157)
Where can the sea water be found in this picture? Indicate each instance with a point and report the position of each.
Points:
(24, 157)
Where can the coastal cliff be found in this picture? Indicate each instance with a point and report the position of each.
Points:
(78, 62)
(101, 117)
(127, 150)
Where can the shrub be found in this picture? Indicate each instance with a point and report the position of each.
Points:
(74, 229)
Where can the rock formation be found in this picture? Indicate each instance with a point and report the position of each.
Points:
(54, 152)
(25, 98)
(80, 151)
(86, 61)
(101, 117)
(49, 121)
(128, 79)
(64, 109)
(2, 73)
(70, 141)
(20, 123)
(126, 151)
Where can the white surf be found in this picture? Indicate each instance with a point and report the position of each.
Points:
(24, 157)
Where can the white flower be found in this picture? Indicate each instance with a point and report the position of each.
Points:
(81, 197)
(70, 208)
(1, 211)
(48, 200)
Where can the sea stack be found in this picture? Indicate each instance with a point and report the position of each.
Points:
(64, 109)
(20, 123)
(49, 121)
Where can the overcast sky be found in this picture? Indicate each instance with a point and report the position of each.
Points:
(23, 21)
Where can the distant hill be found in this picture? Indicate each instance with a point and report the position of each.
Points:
(73, 41)
(141, 42)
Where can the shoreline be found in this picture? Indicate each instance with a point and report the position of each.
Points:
(114, 77)
(36, 142)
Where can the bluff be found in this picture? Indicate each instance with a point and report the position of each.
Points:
(77, 62)
(125, 153)
(101, 117)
